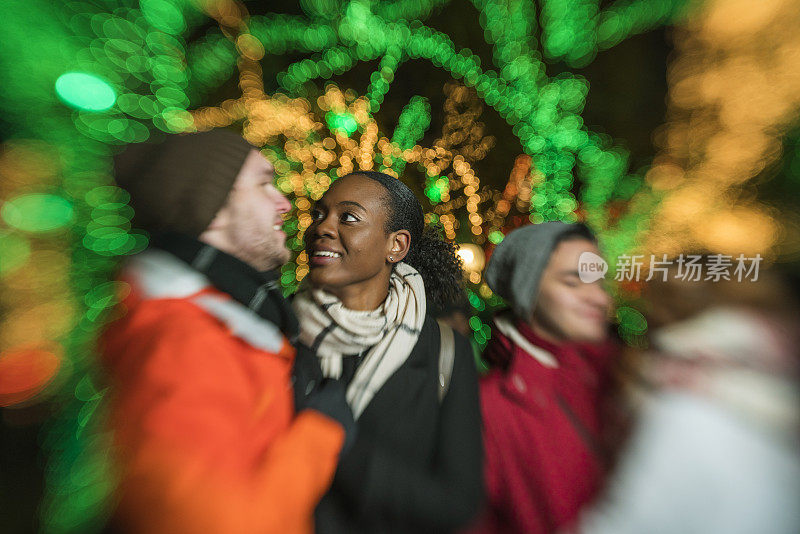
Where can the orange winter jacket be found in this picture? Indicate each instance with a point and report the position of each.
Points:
(203, 415)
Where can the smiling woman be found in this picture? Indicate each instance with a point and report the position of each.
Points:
(374, 267)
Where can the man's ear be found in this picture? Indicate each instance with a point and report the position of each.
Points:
(399, 245)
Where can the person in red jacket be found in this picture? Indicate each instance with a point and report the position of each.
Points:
(207, 436)
(541, 399)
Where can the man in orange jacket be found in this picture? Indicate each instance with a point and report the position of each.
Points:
(206, 431)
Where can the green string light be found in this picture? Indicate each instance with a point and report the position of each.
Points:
(85, 91)
(414, 121)
(341, 122)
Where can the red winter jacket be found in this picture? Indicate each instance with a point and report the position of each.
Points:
(203, 416)
(541, 416)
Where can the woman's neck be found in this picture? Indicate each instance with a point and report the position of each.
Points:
(363, 296)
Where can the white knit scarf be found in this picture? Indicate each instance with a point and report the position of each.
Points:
(390, 332)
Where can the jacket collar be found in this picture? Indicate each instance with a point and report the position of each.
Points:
(160, 275)
(506, 325)
(530, 355)
(258, 291)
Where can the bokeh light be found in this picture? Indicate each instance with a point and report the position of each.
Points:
(37, 212)
(85, 91)
(24, 372)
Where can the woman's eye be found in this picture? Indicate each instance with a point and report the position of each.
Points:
(316, 215)
(349, 217)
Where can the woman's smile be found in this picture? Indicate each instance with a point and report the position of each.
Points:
(319, 255)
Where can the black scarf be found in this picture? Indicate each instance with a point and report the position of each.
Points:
(259, 291)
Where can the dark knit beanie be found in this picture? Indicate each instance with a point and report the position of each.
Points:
(180, 183)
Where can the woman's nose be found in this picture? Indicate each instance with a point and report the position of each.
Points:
(326, 227)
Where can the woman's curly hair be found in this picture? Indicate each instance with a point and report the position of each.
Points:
(434, 258)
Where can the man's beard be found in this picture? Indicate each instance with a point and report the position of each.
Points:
(267, 255)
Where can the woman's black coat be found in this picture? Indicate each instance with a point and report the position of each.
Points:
(416, 465)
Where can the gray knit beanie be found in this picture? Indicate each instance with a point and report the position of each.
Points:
(179, 184)
(517, 264)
